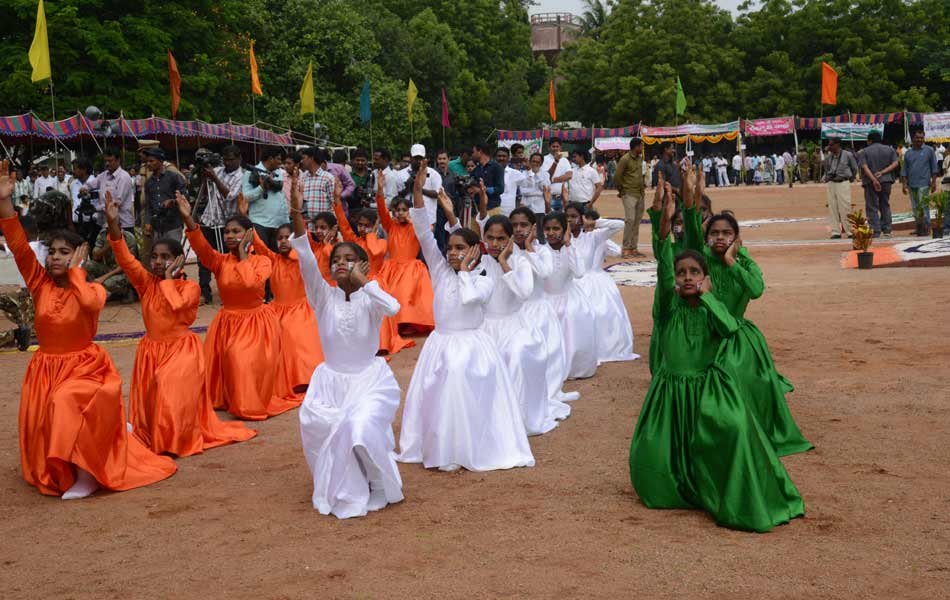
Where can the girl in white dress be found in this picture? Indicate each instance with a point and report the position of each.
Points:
(570, 304)
(346, 418)
(520, 342)
(614, 333)
(461, 408)
(538, 310)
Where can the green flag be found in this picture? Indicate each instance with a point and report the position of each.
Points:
(366, 114)
(680, 97)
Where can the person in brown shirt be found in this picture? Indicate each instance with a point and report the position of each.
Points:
(630, 186)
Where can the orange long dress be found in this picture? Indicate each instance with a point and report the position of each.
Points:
(390, 341)
(169, 407)
(300, 350)
(242, 346)
(71, 406)
(404, 275)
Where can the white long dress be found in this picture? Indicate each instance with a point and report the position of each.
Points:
(519, 341)
(614, 333)
(538, 309)
(461, 409)
(573, 310)
(347, 415)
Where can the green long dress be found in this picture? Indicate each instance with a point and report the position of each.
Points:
(697, 444)
(746, 355)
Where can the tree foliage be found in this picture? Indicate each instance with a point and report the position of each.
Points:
(890, 55)
(112, 54)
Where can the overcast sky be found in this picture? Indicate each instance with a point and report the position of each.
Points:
(576, 6)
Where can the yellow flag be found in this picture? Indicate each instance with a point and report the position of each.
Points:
(306, 92)
(411, 94)
(39, 49)
(255, 82)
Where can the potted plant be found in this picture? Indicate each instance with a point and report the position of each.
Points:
(939, 203)
(861, 236)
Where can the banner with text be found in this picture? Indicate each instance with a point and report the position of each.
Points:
(689, 129)
(937, 127)
(850, 132)
(767, 127)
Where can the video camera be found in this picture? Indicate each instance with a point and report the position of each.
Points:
(207, 159)
(255, 174)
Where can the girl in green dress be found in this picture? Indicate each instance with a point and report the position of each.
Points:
(697, 444)
(746, 356)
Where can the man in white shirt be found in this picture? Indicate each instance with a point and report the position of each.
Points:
(779, 161)
(586, 183)
(535, 188)
(381, 158)
(722, 171)
(430, 191)
(82, 179)
(43, 182)
(119, 183)
(707, 170)
(789, 161)
(512, 178)
(62, 180)
(559, 170)
(736, 168)
(940, 151)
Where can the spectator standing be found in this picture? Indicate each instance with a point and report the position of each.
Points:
(919, 174)
(778, 162)
(62, 180)
(317, 185)
(559, 170)
(630, 183)
(381, 159)
(84, 223)
(535, 190)
(707, 170)
(457, 165)
(449, 185)
(669, 166)
(788, 162)
(339, 170)
(220, 187)
(43, 182)
(364, 195)
(492, 174)
(430, 190)
(586, 182)
(737, 169)
(840, 169)
(119, 183)
(878, 165)
(512, 178)
(160, 216)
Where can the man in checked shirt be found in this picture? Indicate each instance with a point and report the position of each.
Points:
(220, 186)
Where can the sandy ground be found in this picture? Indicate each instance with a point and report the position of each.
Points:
(866, 350)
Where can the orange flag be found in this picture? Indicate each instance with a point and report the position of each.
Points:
(551, 107)
(255, 82)
(174, 82)
(829, 84)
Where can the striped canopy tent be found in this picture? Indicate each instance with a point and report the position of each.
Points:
(521, 136)
(814, 123)
(27, 128)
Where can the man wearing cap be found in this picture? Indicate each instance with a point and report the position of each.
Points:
(160, 217)
(145, 173)
(840, 168)
(878, 164)
(631, 188)
(430, 190)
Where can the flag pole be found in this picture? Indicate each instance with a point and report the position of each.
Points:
(253, 124)
(371, 150)
(52, 102)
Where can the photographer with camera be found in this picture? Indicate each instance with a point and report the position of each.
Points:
(364, 195)
(119, 183)
(430, 191)
(218, 183)
(160, 218)
(80, 189)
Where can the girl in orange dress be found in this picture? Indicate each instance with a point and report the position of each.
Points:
(169, 408)
(390, 342)
(73, 436)
(403, 275)
(242, 346)
(300, 350)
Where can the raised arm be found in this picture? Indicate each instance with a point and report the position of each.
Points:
(385, 219)
(32, 271)
(438, 267)
(446, 203)
(208, 256)
(138, 276)
(342, 221)
(665, 294)
(748, 273)
(314, 284)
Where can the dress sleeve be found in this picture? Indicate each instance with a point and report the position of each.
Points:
(749, 274)
(261, 248)
(34, 274)
(317, 289)
(184, 302)
(519, 279)
(385, 219)
(381, 300)
(345, 228)
(208, 256)
(719, 316)
(254, 271)
(91, 296)
(138, 276)
(693, 229)
(612, 248)
(542, 263)
(665, 294)
(577, 259)
(438, 267)
(474, 288)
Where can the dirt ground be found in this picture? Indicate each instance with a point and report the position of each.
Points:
(866, 350)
